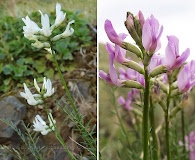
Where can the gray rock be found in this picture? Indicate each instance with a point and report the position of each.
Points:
(83, 87)
(12, 110)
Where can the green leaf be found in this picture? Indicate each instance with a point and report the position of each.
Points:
(7, 81)
(68, 56)
(20, 61)
(29, 60)
(2, 56)
(49, 73)
(19, 70)
(7, 69)
(40, 65)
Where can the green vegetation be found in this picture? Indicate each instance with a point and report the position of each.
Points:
(20, 61)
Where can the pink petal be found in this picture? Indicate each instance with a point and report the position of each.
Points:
(180, 60)
(111, 33)
(146, 35)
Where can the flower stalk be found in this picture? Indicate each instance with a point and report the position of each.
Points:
(167, 121)
(145, 125)
(155, 144)
(64, 83)
(183, 132)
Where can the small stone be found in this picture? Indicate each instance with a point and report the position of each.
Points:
(12, 110)
(83, 87)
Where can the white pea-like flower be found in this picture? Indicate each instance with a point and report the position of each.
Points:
(31, 28)
(68, 32)
(42, 36)
(44, 92)
(60, 16)
(49, 50)
(30, 97)
(40, 125)
(48, 87)
(45, 25)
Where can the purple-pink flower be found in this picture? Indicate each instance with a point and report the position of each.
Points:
(151, 33)
(155, 61)
(186, 77)
(112, 76)
(190, 144)
(128, 74)
(131, 74)
(118, 51)
(126, 103)
(173, 59)
(111, 33)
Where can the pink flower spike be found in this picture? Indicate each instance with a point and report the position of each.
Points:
(192, 145)
(111, 33)
(151, 34)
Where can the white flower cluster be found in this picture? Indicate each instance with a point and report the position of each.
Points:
(44, 92)
(40, 125)
(42, 36)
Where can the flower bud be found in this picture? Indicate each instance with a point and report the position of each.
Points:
(176, 109)
(158, 70)
(133, 26)
(39, 44)
(130, 47)
(129, 21)
(163, 105)
(163, 87)
(175, 93)
(132, 84)
(134, 65)
(141, 19)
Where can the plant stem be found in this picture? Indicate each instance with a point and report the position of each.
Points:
(145, 131)
(167, 121)
(183, 132)
(65, 86)
(155, 145)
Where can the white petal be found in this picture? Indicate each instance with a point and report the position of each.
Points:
(52, 122)
(69, 31)
(48, 88)
(44, 132)
(60, 16)
(36, 86)
(40, 120)
(45, 24)
(23, 95)
(31, 28)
